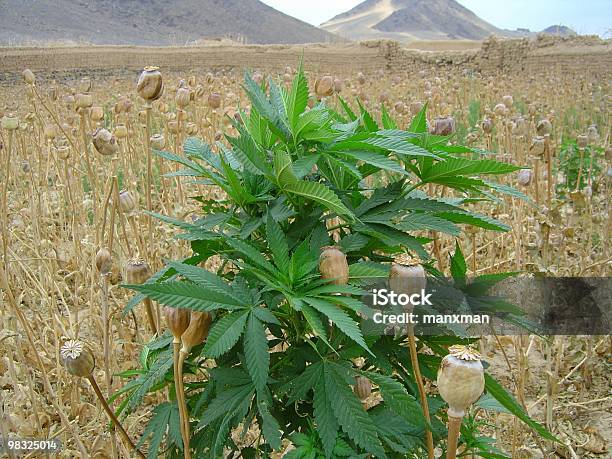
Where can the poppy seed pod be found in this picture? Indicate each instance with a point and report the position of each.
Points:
(362, 387)
(544, 127)
(105, 142)
(137, 272)
(96, 114)
(416, 107)
(78, 360)
(324, 87)
(592, 134)
(83, 100)
(444, 126)
(197, 331)
(407, 280)
(361, 79)
(538, 145)
(84, 84)
(460, 379)
(199, 91)
(121, 131)
(50, 131)
(29, 77)
(150, 84)
(582, 141)
(127, 203)
(337, 85)
(487, 125)
(399, 107)
(158, 142)
(214, 100)
(333, 265)
(258, 77)
(9, 122)
(524, 177)
(178, 320)
(500, 109)
(183, 96)
(508, 101)
(104, 261)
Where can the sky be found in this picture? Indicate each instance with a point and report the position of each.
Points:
(586, 16)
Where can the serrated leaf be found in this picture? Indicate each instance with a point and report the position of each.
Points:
(321, 194)
(508, 402)
(297, 98)
(327, 425)
(474, 219)
(156, 428)
(347, 409)
(397, 399)
(418, 221)
(181, 295)
(387, 121)
(270, 427)
(458, 267)
(376, 159)
(299, 387)
(340, 318)
(466, 167)
(278, 245)
(225, 333)
(219, 289)
(256, 352)
(314, 320)
(418, 125)
(156, 374)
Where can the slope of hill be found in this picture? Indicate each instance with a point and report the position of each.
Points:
(560, 30)
(151, 22)
(410, 20)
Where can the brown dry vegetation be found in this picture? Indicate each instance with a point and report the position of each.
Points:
(57, 212)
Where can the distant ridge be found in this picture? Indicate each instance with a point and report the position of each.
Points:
(151, 22)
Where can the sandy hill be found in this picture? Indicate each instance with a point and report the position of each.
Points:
(410, 20)
(150, 22)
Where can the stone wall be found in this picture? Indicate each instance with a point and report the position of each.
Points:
(577, 54)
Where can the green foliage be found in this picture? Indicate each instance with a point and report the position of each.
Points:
(570, 163)
(283, 341)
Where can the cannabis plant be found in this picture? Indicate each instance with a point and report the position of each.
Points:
(286, 346)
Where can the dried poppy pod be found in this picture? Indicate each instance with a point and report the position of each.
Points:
(214, 100)
(199, 91)
(361, 79)
(183, 96)
(544, 127)
(444, 126)
(487, 125)
(508, 101)
(416, 107)
(362, 387)
(69, 101)
(197, 331)
(84, 84)
(500, 110)
(407, 280)
(324, 87)
(333, 265)
(127, 202)
(592, 134)
(524, 177)
(582, 141)
(96, 114)
(209, 78)
(63, 152)
(150, 84)
(460, 379)
(104, 262)
(158, 142)
(383, 97)
(173, 127)
(399, 107)
(50, 131)
(178, 320)
(29, 77)
(83, 100)
(137, 271)
(538, 145)
(78, 360)
(123, 105)
(121, 131)
(337, 85)
(104, 142)
(191, 129)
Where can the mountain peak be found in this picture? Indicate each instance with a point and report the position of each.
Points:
(151, 22)
(409, 20)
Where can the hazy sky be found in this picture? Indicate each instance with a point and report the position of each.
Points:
(586, 17)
